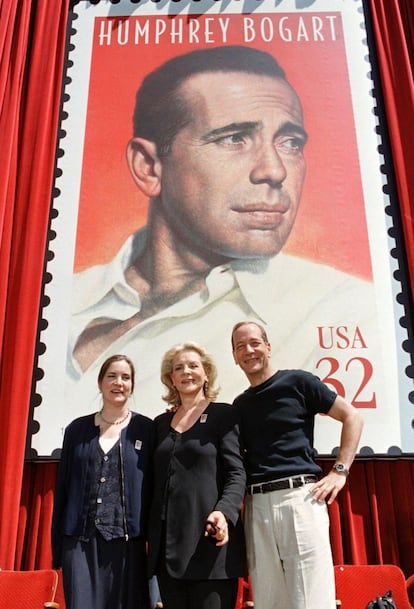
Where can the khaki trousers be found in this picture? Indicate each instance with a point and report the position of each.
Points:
(288, 551)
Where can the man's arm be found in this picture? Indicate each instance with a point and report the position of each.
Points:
(352, 423)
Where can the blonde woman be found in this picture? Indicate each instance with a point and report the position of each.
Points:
(196, 543)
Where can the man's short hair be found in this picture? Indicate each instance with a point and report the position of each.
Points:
(161, 111)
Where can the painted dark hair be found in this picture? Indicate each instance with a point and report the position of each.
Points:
(161, 110)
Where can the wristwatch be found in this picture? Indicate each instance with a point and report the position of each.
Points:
(340, 468)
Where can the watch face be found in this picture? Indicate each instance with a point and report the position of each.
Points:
(340, 467)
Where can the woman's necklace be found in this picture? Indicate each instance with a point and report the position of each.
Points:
(113, 422)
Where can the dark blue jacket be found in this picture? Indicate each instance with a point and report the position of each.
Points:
(71, 499)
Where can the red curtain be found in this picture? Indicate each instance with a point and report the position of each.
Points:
(32, 41)
(393, 22)
(372, 521)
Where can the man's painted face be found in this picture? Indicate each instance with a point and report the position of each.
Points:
(232, 181)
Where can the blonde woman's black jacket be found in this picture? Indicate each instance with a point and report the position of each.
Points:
(196, 472)
(71, 499)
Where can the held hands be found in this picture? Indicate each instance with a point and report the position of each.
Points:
(327, 488)
(216, 526)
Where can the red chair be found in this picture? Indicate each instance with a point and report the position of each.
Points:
(29, 589)
(410, 588)
(244, 594)
(356, 585)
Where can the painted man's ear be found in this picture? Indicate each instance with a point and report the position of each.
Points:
(145, 165)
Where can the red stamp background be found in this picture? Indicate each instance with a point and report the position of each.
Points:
(331, 225)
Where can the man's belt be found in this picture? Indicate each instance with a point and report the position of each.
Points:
(279, 485)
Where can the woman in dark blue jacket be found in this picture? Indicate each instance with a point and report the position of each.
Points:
(196, 542)
(101, 499)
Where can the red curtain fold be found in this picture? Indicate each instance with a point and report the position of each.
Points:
(393, 23)
(373, 520)
(34, 549)
(14, 26)
(32, 43)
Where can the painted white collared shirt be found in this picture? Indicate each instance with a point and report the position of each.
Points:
(295, 299)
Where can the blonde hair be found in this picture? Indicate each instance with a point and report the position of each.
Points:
(172, 396)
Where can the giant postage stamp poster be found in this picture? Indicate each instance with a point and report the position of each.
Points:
(220, 161)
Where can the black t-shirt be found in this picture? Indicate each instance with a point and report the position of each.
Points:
(277, 424)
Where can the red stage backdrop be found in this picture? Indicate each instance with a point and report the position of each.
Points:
(328, 299)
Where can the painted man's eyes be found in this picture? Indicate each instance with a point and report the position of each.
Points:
(232, 139)
(290, 145)
(287, 144)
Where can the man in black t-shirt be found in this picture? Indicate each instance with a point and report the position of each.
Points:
(286, 518)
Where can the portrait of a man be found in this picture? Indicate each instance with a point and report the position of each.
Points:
(219, 150)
